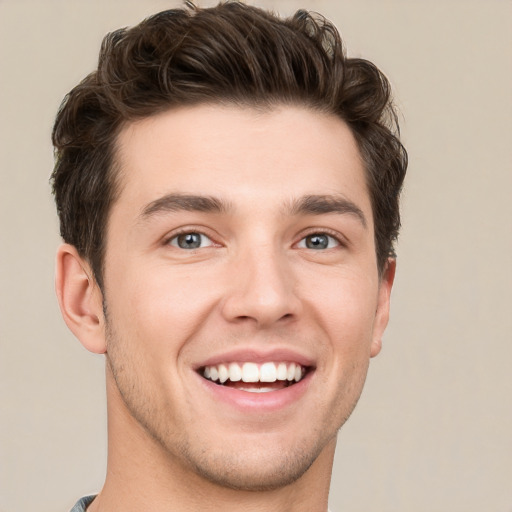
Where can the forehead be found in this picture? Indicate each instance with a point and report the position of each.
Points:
(243, 155)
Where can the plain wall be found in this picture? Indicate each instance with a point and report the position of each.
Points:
(433, 429)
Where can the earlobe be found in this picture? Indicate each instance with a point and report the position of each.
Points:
(80, 299)
(382, 313)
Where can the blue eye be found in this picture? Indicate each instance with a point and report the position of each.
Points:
(318, 241)
(190, 240)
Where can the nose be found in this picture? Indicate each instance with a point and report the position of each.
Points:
(262, 289)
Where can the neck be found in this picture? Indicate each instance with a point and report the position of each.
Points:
(142, 475)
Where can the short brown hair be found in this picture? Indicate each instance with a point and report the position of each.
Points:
(231, 53)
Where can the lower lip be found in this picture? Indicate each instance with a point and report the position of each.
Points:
(258, 402)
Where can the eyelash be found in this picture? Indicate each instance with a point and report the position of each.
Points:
(325, 232)
(188, 231)
(320, 232)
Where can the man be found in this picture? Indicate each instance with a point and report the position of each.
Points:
(227, 184)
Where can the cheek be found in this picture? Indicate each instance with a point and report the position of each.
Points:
(346, 303)
(347, 314)
(159, 306)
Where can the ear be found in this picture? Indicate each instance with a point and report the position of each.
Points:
(382, 313)
(80, 299)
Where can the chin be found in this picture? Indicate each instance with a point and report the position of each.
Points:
(253, 470)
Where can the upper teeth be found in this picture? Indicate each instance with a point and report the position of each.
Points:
(253, 372)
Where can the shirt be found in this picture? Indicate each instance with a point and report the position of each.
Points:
(82, 504)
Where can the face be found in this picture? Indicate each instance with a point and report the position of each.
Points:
(241, 288)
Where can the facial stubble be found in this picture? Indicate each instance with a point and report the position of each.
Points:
(263, 470)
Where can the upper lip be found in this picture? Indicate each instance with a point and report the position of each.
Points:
(258, 356)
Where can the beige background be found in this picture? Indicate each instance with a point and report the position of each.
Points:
(433, 430)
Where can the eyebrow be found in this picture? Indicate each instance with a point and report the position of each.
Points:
(184, 202)
(322, 204)
(306, 205)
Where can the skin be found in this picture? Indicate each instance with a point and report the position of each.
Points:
(253, 285)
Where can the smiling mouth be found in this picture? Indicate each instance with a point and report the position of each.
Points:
(253, 377)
